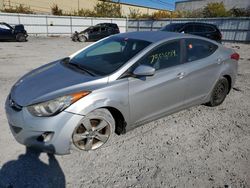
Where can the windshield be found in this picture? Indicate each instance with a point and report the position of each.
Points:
(107, 56)
(173, 27)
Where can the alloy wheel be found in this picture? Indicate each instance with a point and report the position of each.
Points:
(91, 134)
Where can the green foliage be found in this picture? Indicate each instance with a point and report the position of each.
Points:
(85, 13)
(193, 14)
(107, 9)
(215, 10)
(134, 13)
(19, 9)
(240, 12)
(55, 10)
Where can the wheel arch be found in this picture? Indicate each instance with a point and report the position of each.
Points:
(120, 123)
(229, 79)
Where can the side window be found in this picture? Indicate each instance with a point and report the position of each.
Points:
(189, 29)
(163, 56)
(96, 29)
(103, 29)
(110, 29)
(197, 49)
(209, 29)
(199, 29)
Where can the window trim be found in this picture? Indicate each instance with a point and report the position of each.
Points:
(127, 73)
(185, 51)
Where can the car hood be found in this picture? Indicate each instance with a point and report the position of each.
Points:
(51, 81)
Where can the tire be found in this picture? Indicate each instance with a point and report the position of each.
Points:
(219, 93)
(94, 130)
(82, 38)
(74, 38)
(20, 37)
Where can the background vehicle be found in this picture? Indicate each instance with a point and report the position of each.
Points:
(196, 28)
(17, 33)
(116, 85)
(96, 32)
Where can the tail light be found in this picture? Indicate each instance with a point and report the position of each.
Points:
(235, 56)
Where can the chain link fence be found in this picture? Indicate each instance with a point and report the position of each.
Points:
(232, 29)
(57, 25)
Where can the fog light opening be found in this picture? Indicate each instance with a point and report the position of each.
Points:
(45, 137)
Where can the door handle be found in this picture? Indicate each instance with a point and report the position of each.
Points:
(180, 75)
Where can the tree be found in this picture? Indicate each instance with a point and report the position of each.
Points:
(19, 9)
(240, 12)
(107, 9)
(215, 10)
(55, 10)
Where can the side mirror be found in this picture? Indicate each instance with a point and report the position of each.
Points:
(144, 70)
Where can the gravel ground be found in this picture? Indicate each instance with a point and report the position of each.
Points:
(198, 147)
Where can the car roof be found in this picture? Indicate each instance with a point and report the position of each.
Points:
(106, 24)
(194, 23)
(150, 36)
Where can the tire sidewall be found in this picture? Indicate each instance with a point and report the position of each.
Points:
(20, 37)
(82, 38)
(212, 99)
(101, 113)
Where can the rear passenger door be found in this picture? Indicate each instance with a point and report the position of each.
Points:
(202, 69)
(104, 32)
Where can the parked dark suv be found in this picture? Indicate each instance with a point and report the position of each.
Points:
(96, 32)
(196, 28)
(17, 33)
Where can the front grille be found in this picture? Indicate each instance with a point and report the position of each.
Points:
(14, 105)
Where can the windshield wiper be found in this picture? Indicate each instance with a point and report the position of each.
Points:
(71, 63)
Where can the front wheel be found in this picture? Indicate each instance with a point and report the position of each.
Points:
(20, 37)
(94, 130)
(74, 38)
(82, 38)
(219, 92)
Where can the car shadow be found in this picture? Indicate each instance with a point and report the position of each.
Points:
(29, 171)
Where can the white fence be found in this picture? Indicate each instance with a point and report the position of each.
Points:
(57, 25)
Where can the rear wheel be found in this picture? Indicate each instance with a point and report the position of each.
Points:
(20, 37)
(94, 130)
(219, 93)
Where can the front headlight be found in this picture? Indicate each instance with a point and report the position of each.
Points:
(53, 107)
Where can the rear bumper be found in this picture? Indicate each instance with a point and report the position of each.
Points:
(28, 129)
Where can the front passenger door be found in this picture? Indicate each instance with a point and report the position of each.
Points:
(154, 96)
(94, 33)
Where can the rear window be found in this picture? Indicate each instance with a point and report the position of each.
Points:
(173, 27)
(198, 49)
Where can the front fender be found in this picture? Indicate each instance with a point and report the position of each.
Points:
(115, 95)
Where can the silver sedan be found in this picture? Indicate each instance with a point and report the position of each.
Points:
(114, 85)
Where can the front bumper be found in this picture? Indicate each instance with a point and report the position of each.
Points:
(27, 129)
